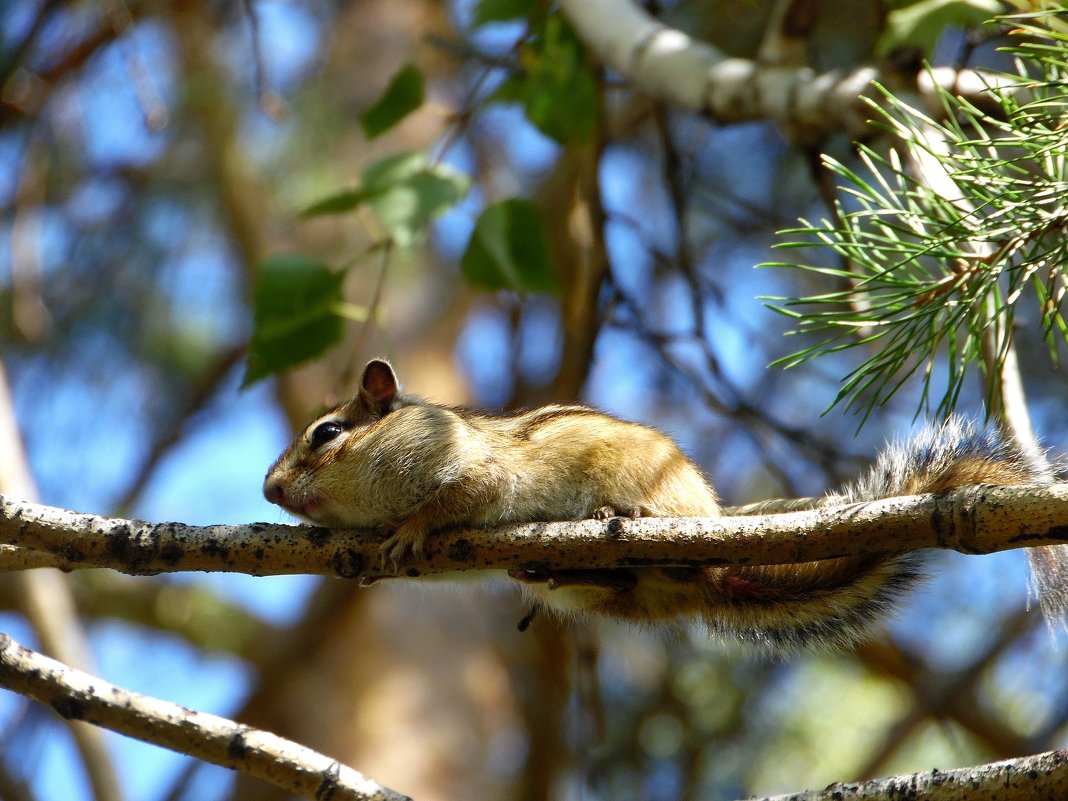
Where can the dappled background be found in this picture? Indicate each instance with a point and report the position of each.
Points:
(152, 155)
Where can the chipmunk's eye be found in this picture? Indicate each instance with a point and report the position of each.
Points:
(324, 432)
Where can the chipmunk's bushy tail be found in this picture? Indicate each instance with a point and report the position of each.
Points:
(835, 602)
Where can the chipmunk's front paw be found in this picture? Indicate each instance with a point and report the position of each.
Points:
(404, 542)
(608, 512)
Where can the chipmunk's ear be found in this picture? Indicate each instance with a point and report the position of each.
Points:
(379, 383)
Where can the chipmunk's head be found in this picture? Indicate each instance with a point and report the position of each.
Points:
(314, 476)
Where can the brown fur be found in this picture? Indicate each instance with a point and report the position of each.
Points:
(411, 466)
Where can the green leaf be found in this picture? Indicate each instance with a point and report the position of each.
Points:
(405, 191)
(509, 249)
(335, 204)
(920, 25)
(557, 85)
(387, 173)
(503, 10)
(403, 96)
(293, 318)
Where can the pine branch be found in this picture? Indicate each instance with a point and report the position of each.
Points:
(79, 696)
(973, 520)
(946, 234)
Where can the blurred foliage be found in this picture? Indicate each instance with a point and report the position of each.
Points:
(920, 24)
(406, 192)
(555, 84)
(155, 161)
(294, 303)
(403, 96)
(509, 249)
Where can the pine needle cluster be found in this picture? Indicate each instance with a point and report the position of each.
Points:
(927, 266)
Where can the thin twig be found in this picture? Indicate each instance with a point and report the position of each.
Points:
(153, 109)
(955, 697)
(17, 54)
(170, 433)
(347, 378)
(190, 611)
(472, 102)
(270, 102)
(753, 421)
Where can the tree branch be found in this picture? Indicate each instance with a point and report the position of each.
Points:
(1025, 779)
(80, 696)
(974, 520)
(669, 65)
(13, 557)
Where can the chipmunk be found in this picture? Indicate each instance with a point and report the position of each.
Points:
(385, 459)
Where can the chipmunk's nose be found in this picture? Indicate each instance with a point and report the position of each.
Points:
(274, 492)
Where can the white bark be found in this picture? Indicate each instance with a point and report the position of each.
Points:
(671, 66)
(79, 696)
(293, 767)
(1025, 779)
(974, 520)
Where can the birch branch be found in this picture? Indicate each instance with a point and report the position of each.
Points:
(669, 65)
(973, 520)
(79, 696)
(1024, 779)
(13, 557)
